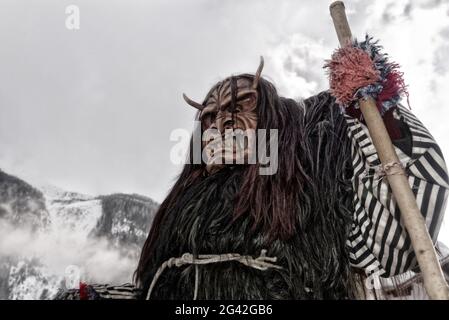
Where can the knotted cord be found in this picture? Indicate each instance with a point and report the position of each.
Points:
(261, 263)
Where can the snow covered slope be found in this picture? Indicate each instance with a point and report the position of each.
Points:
(50, 237)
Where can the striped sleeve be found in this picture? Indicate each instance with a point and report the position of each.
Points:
(378, 240)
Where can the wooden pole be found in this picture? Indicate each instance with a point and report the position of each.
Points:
(433, 277)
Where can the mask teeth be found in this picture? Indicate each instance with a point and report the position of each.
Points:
(241, 141)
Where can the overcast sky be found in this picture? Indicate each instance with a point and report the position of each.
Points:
(91, 110)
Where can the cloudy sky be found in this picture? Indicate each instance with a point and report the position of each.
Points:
(91, 110)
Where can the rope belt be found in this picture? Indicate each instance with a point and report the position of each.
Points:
(261, 263)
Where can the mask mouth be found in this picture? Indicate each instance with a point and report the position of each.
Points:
(234, 148)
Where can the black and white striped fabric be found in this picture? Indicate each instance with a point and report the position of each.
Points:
(101, 292)
(378, 241)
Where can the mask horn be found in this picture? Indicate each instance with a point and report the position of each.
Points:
(194, 104)
(258, 73)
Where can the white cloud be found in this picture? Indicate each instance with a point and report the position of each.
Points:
(92, 111)
(298, 66)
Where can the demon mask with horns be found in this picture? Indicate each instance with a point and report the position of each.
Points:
(229, 111)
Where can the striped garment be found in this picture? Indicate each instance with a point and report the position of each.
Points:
(100, 292)
(378, 241)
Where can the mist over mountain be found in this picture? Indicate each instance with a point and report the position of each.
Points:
(50, 237)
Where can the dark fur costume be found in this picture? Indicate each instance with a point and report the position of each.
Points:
(199, 219)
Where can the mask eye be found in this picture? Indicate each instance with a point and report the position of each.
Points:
(247, 102)
(207, 119)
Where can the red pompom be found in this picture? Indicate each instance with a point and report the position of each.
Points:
(350, 68)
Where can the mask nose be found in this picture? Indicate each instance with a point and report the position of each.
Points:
(225, 123)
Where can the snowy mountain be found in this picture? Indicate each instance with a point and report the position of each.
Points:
(52, 239)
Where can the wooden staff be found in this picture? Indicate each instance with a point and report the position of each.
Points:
(414, 222)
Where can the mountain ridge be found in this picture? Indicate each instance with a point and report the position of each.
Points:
(47, 230)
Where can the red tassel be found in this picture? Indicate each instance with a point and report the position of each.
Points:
(393, 86)
(83, 291)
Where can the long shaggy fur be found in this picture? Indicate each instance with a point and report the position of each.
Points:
(301, 215)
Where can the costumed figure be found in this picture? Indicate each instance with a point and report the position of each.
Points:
(320, 226)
